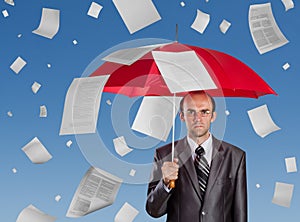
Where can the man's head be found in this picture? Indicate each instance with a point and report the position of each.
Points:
(197, 110)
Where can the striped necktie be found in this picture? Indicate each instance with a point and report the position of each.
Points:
(202, 169)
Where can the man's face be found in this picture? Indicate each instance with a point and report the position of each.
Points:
(197, 115)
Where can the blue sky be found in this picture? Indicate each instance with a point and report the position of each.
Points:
(39, 184)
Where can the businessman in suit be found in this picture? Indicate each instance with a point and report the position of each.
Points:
(222, 195)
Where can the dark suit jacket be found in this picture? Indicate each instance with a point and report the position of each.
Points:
(225, 199)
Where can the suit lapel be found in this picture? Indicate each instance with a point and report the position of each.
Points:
(217, 159)
(184, 155)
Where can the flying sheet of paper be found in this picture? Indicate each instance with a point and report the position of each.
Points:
(14, 170)
(137, 14)
(224, 26)
(94, 10)
(121, 146)
(75, 42)
(69, 143)
(96, 190)
(182, 4)
(43, 111)
(130, 55)
(127, 213)
(291, 165)
(286, 66)
(108, 102)
(262, 121)
(288, 4)
(57, 198)
(5, 13)
(9, 113)
(10, 2)
(201, 21)
(82, 105)
(283, 194)
(155, 116)
(31, 213)
(36, 151)
(35, 87)
(264, 30)
(18, 65)
(132, 172)
(183, 71)
(49, 23)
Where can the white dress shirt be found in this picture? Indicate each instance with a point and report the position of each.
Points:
(207, 146)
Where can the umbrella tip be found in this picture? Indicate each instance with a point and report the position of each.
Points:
(176, 33)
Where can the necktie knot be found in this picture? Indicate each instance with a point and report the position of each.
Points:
(200, 151)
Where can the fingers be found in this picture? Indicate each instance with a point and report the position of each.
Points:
(170, 171)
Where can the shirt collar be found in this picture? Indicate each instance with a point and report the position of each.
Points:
(207, 146)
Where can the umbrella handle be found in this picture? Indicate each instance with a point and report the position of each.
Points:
(172, 184)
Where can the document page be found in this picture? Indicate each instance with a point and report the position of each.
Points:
(264, 30)
(96, 190)
(82, 105)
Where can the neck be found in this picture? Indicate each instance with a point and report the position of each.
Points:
(200, 139)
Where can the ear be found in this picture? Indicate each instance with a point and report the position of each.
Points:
(213, 117)
(181, 115)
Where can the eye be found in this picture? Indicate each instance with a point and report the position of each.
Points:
(191, 112)
(205, 112)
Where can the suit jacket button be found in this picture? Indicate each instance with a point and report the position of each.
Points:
(203, 213)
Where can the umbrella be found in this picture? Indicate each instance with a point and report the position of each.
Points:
(142, 76)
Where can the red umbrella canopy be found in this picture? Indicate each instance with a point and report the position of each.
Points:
(232, 77)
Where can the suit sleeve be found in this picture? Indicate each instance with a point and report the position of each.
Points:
(240, 199)
(158, 197)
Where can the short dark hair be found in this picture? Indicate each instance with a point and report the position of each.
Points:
(199, 92)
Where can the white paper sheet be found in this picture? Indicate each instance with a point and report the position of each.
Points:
(82, 105)
(108, 102)
(18, 65)
(35, 87)
(132, 172)
(5, 13)
(36, 151)
(31, 213)
(69, 143)
(130, 55)
(14, 170)
(57, 198)
(262, 121)
(183, 71)
(286, 66)
(121, 146)
(224, 26)
(264, 30)
(49, 23)
(182, 4)
(43, 111)
(75, 42)
(257, 185)
(137, 14)
(288, 4)
(94, 10)
(9, 113)
(283, 194)
(96, 190)
(290, 164)
(10, 2)
(201, 21)
(155, 116)
(127, 213)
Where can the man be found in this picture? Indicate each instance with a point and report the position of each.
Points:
(220, 198)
